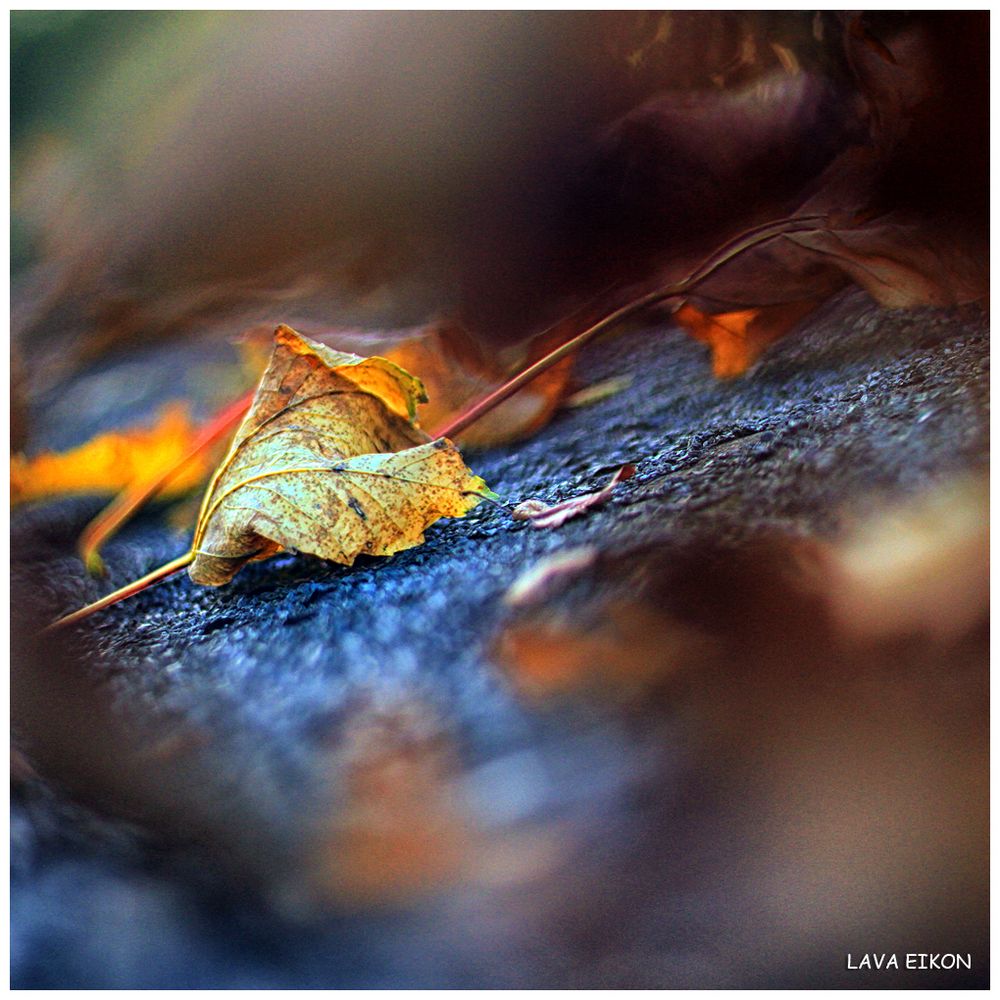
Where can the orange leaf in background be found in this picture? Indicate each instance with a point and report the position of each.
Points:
(398, 825)
(914, 571)
(399, 819)
(627, 646)
(112, 461)
(726, 334)
(130, 499)
(737, 339)
(456, 371)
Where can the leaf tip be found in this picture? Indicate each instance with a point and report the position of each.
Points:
(483, 492)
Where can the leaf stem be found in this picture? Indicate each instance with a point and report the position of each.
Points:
(745, 241)
(161, 573)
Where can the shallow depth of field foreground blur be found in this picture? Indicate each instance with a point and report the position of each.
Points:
(721, 722)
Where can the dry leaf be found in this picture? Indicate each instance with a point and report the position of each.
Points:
(628, 622)
(456, 371)
(112, 461)
(919, 567)
(398, 824)
(402, 818)
(857, 28)
(903, 222)
(903, 265)
(545, 574)
(624, 648)
(902, 262)
(542, 515)
(737, 339)
(328, 461)
(917, 572)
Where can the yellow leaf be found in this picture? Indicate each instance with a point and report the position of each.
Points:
(328, 461)
(112, 461)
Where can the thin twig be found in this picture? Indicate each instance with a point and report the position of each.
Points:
(160, 573)
(742, 243)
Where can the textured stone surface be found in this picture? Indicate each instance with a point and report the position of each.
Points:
(259, 683)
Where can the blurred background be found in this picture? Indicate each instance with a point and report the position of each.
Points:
(720, 732)
(177, 173)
